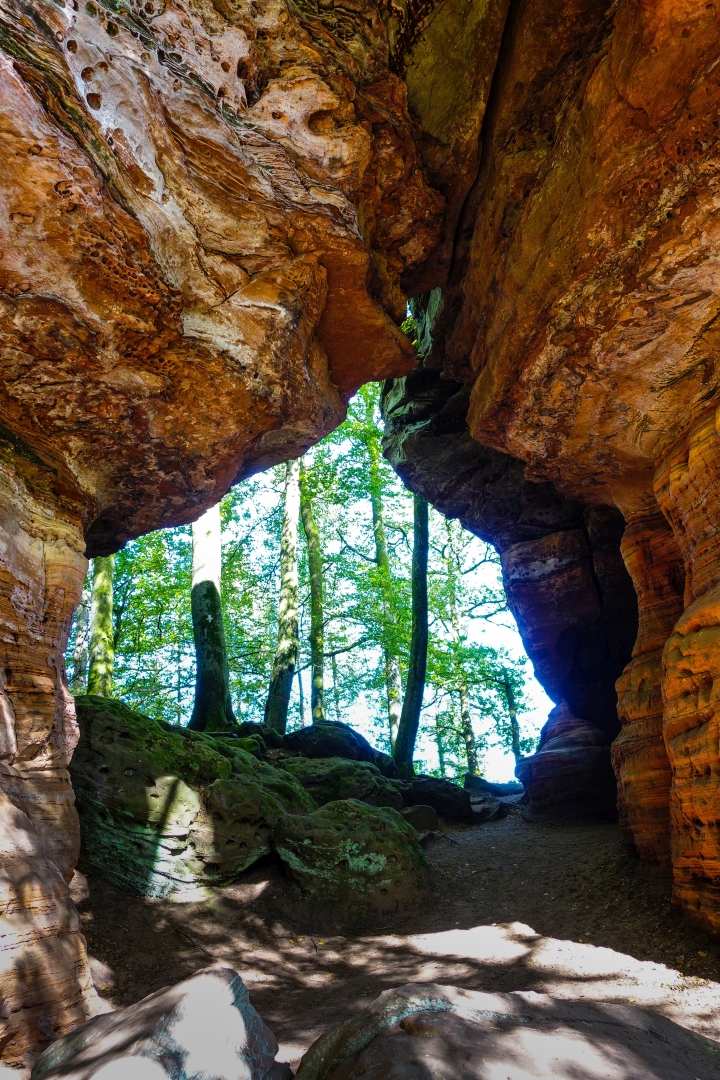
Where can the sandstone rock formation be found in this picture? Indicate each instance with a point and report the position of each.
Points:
(212, 215)
(354, 856)
(168, 812)
(329, 779)
(426, 1029)
(207, 212)
(580, 311)
(570, 777)
(204, 1026)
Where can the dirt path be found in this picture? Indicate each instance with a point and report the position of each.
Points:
(562, 910)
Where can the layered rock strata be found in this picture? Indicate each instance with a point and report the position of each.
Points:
(580, 310)
(45, 985)
(564, 577)
(639, 754)
(208, 209)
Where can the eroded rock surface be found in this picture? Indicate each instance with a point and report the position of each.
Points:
(168, 812)
(580, 313)
(355, 856)
(419, 1029)
(204, 1026)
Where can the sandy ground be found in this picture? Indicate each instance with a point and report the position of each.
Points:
(561, 910)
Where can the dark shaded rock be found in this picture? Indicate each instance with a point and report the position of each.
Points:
(487, 808)
(565, 579)
(330, 739)
(449, 800)
(486, 787)
(422, 818)
(168, 812)
(204, 1026)
(571, 776)
(429, 1030)
(330, 779)
(358, 856)
(268, 735)
(386, 765)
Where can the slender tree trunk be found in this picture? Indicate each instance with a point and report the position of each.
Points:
(317, 630)
(301, 696)
(512, 710)
(453, 571)
(393, 680)
(286, 653)
(336, 691)
(102, 653)
(440, 747)
(80, 652)
(212, 710)
(404, 748)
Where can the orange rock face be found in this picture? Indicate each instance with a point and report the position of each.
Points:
(686, 485)
(208, 209)
(639, 755)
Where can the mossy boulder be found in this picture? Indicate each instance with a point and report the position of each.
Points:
(330, 779)
(166, 811)
(351, 854)
(331, 738)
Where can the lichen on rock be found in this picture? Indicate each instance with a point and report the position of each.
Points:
(329, 779)
(354, 855)
(167, 811)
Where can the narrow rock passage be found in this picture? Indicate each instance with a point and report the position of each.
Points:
(561, 910)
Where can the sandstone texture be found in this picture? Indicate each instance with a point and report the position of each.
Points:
(168, 812)
(426, 1029)
(578, 315)
(204, 1026)
(570, 777)
(329, 779)
(353, 855)
(213, 213)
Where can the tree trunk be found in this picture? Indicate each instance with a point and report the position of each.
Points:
(512, 710)
(393, 681)
(212, 710)
(453, 572)
(404, 748)
(336, 690)
(317, 630)
(102, 653)
(440, 747)
(80, 651)
(286, 653)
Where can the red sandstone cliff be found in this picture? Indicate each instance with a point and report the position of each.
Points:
(212, 213)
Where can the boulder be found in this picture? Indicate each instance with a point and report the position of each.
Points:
(353, 855)
(203, 1027)
(169, 811)
(570, 778)
(487, 808)
(330, 779)
(329, 739)
(428, 1030)
(422, 818)
(449, 800)
(477, 785)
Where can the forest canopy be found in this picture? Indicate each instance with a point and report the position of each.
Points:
(363, 544)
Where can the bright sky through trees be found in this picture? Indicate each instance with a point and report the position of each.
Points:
(474, 643)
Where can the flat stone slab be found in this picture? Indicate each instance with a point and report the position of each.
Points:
(202, 1028)
(431, 1032)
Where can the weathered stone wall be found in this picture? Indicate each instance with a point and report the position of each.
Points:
(45, 986)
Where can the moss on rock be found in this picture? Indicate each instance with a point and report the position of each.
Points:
(351, 854)
(167, 811)
(330, 779)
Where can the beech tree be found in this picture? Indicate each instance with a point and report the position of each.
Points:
(286, 653)
(212, 710)
(404, 749)
(101, 651)
(317, 601)
(363, 519)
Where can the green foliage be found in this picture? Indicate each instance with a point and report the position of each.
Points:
(367, 605)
